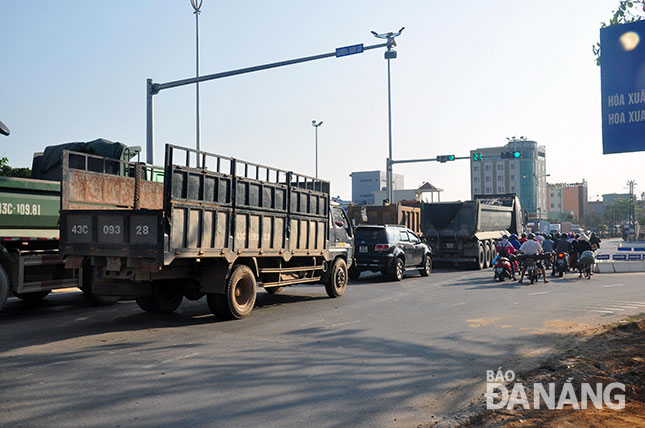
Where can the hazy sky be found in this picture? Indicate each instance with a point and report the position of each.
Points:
(469, 74)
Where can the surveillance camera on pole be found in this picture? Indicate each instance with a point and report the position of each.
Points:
(389, 54)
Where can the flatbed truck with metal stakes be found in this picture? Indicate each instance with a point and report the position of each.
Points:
(217, 227)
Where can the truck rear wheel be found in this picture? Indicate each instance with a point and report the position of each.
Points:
(34, 296)
(481, 254)
(164, 299)
(487, 253)
(337, 283)
(4, 287)
(239, 298)
(87, 281)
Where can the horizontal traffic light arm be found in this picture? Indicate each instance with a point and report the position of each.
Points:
(393, 161)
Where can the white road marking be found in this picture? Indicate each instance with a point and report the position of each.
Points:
(539, 292)
(602, 312)
(613, 285)
(614, 309)
(183, 357)
(459, 304)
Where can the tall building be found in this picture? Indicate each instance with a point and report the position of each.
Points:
(491, 173)
(567, 200)
(365, 183)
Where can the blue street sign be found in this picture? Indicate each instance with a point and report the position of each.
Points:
(349, 50)
(622, 78)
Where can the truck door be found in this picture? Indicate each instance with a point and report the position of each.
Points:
(341, 228)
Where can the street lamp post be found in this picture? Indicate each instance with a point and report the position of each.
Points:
(389, 54)
(197, 5)
(316, 125)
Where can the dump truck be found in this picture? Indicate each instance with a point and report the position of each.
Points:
(30, 266)
(408, 216)
(217, 227)
(465, 232)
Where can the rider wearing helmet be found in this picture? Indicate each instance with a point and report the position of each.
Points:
(532, 248)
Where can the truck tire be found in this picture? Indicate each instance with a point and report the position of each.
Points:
(337, 283)
(486, 255)
(426, 267)
(273, 290)
(34, 296)
(396, 274)
(239, 298)
(86, 287)
(481, 254)
(4, 287)
(99, 300)
(354, 273)
(165, 298)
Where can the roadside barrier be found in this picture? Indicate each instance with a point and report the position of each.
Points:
(621, 257)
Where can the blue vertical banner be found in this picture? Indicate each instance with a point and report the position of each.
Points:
(622, 71)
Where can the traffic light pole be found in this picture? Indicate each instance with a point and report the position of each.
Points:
(153, 89)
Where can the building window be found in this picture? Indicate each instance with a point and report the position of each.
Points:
(487, 167)
(512, 188)
(489, 190)
(513, 165)
(476, 179)
(512, 177)
(488, 179)
(500, 167)
(552, 206)
(476, 168)
(477, 190)
(500, 189)
(500, 178)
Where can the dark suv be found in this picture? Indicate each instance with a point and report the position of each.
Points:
(389, 250)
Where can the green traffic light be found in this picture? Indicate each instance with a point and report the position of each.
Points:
(517, 154)
(451, 157)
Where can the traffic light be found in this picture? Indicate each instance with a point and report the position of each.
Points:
(511, 155)
(477, 157)
(445, 158)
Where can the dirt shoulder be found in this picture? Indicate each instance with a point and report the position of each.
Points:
(615, 353)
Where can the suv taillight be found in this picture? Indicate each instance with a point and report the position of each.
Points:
(382, 247)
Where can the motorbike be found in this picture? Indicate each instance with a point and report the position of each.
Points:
(561, 264)
(503, 269)
(532, 271)
(585, 264)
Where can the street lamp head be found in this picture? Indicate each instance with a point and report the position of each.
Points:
(316, 125)
(196, 4)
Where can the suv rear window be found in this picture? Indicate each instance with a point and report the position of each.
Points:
(372, 235)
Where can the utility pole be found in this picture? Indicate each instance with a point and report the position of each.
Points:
(389, 54)
(197, 5)
(316, 125)
(632, 206)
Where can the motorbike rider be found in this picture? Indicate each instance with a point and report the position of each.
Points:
(573, 255)
(583, 245)
(547, 246)
(532, 248)
(562, 246)
(505, 249)
(514, 241)
(523, 239)
(594, 240)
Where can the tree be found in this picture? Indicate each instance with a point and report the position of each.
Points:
(7, 171)
(628, 11)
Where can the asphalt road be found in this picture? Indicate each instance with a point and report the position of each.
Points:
(385, 354)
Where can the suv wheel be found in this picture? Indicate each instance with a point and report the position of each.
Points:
(397, 270)
(426, 266)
